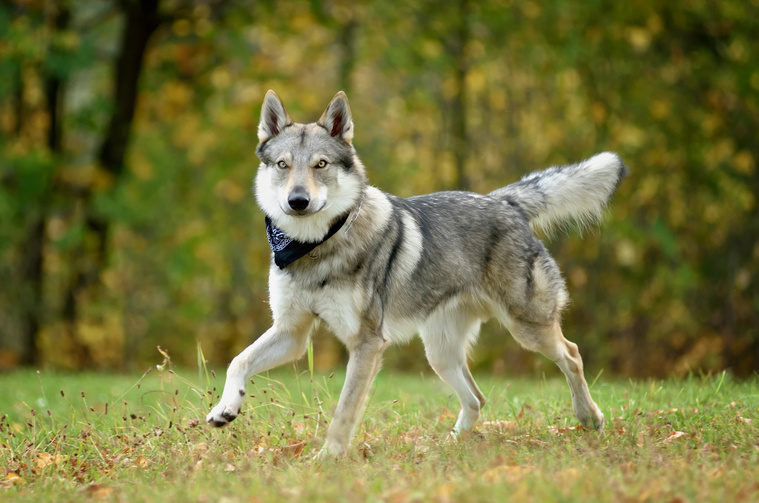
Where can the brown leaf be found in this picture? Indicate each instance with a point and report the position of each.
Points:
(509, 473)
(526, 407)
(445, 416)
(12, 479)
(199, 450)
(294, 448)
(499, 426)
(46, 459)
(141, 462)
(674, 436)
(627, 468)
(560, 431)
(97, 490)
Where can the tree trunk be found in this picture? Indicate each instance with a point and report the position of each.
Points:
(141, 21)
(31, 281)
(33, 245)
(458, 104)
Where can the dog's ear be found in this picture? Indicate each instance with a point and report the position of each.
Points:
(337, 118)
(274, 117)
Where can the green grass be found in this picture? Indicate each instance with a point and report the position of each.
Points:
(130, 438)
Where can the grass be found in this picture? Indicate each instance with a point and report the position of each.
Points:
(143, 438)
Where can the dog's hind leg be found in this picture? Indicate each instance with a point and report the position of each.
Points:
(549, 340)
(445, 343)
(365, 358)
(273, 348)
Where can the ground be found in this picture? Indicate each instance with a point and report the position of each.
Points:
(143, 438)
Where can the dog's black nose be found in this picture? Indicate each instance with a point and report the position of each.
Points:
(298, 199)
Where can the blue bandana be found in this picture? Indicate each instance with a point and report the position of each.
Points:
(287, 250)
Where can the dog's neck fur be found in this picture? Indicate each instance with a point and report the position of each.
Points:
(313, 227)
(287, 250)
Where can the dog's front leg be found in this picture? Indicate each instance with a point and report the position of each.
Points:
(275, 347)
(363, 365)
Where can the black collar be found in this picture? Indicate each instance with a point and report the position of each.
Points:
(287, 250)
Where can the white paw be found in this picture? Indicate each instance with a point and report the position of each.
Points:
(330, 450)
(594, 420)
(465, 422)
(223, 414)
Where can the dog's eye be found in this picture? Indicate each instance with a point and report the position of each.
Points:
(322, 164)
(282, 164)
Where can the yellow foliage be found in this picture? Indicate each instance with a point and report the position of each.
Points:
(639, 38)
(744, 162)
(231, 191)
(659, 109)
(141, 166)
(181, 27)
(530, 9)
(476, 80)
(598, 112)
(220, 77)
(174, 98)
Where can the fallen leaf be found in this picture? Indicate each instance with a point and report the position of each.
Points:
(445, 416)
(366, 450)
(509, 473)
(560, 431)
(12, 479)
(229, 467)
(674, 436)
(46, 459)
(97, 490)
(499, 426)
(141, 462)
(444, 493)
(294, 448)
(525, 407)
(199, 450)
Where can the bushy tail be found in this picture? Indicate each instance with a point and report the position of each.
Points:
(574, 192)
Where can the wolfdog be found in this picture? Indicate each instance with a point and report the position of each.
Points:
(377, 268)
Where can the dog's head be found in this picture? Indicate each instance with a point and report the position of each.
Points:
(309, 173)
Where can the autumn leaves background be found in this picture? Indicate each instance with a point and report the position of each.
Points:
(127, 134)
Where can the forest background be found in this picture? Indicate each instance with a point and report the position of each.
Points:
(127, 153)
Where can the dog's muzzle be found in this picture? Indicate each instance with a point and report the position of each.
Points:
(298, 199)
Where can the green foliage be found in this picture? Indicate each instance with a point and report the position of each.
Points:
(670, 283)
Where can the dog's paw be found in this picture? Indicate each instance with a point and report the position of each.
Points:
(594, 420)
(330, 450)
(222, 414)
(599, 421)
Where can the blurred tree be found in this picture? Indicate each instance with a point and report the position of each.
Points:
(127, 140)
(141, 20)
